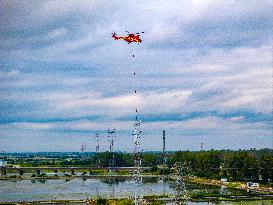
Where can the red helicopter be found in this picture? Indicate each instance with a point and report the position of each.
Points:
(130, 38)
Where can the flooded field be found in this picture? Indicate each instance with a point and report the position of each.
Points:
(82, 188)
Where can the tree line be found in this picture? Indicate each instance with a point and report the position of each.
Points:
(238, 165)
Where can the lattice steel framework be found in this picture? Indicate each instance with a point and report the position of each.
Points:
(111, 137)
(137, 160)
(137, 156)
(97, 150)
(180, 188)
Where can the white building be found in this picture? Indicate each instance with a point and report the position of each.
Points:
(252, 185)
(223, 180)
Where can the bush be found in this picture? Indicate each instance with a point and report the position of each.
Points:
(43, 175)
(165, 171)
(154, 169)
(123, 172)
(98, 172)
(101, 201)
(232, 185)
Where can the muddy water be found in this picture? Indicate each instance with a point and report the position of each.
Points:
(80, 189)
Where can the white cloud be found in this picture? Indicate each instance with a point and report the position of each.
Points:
(203, 123)
(9, 74)
(201, 68)
(196, 57)
(57, 33)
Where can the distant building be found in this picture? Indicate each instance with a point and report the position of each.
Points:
(256, 185)
(3, 163)
(252, 185)
(224, 180)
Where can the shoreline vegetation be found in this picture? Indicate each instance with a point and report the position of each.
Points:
(150, 199)
(242, 165)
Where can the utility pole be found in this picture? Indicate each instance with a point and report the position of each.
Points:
(202, 143)
(164, 161)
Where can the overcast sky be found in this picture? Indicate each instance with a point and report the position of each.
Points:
(203, 73)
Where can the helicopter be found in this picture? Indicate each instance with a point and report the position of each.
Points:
(130, 38)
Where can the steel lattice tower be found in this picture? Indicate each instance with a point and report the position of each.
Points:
(137, 160)
(137, 155)
(97, 150)
(180, 188)
(111, 138)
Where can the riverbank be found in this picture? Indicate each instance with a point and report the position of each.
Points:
(152, 200)
(267, 189)
(233, 185)
(70, 177)
(156, 190)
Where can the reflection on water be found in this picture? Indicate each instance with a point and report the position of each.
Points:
(77, 188)
(82, 188)
(113, 180)
(150, 179)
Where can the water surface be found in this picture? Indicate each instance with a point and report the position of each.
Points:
(82, 188)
